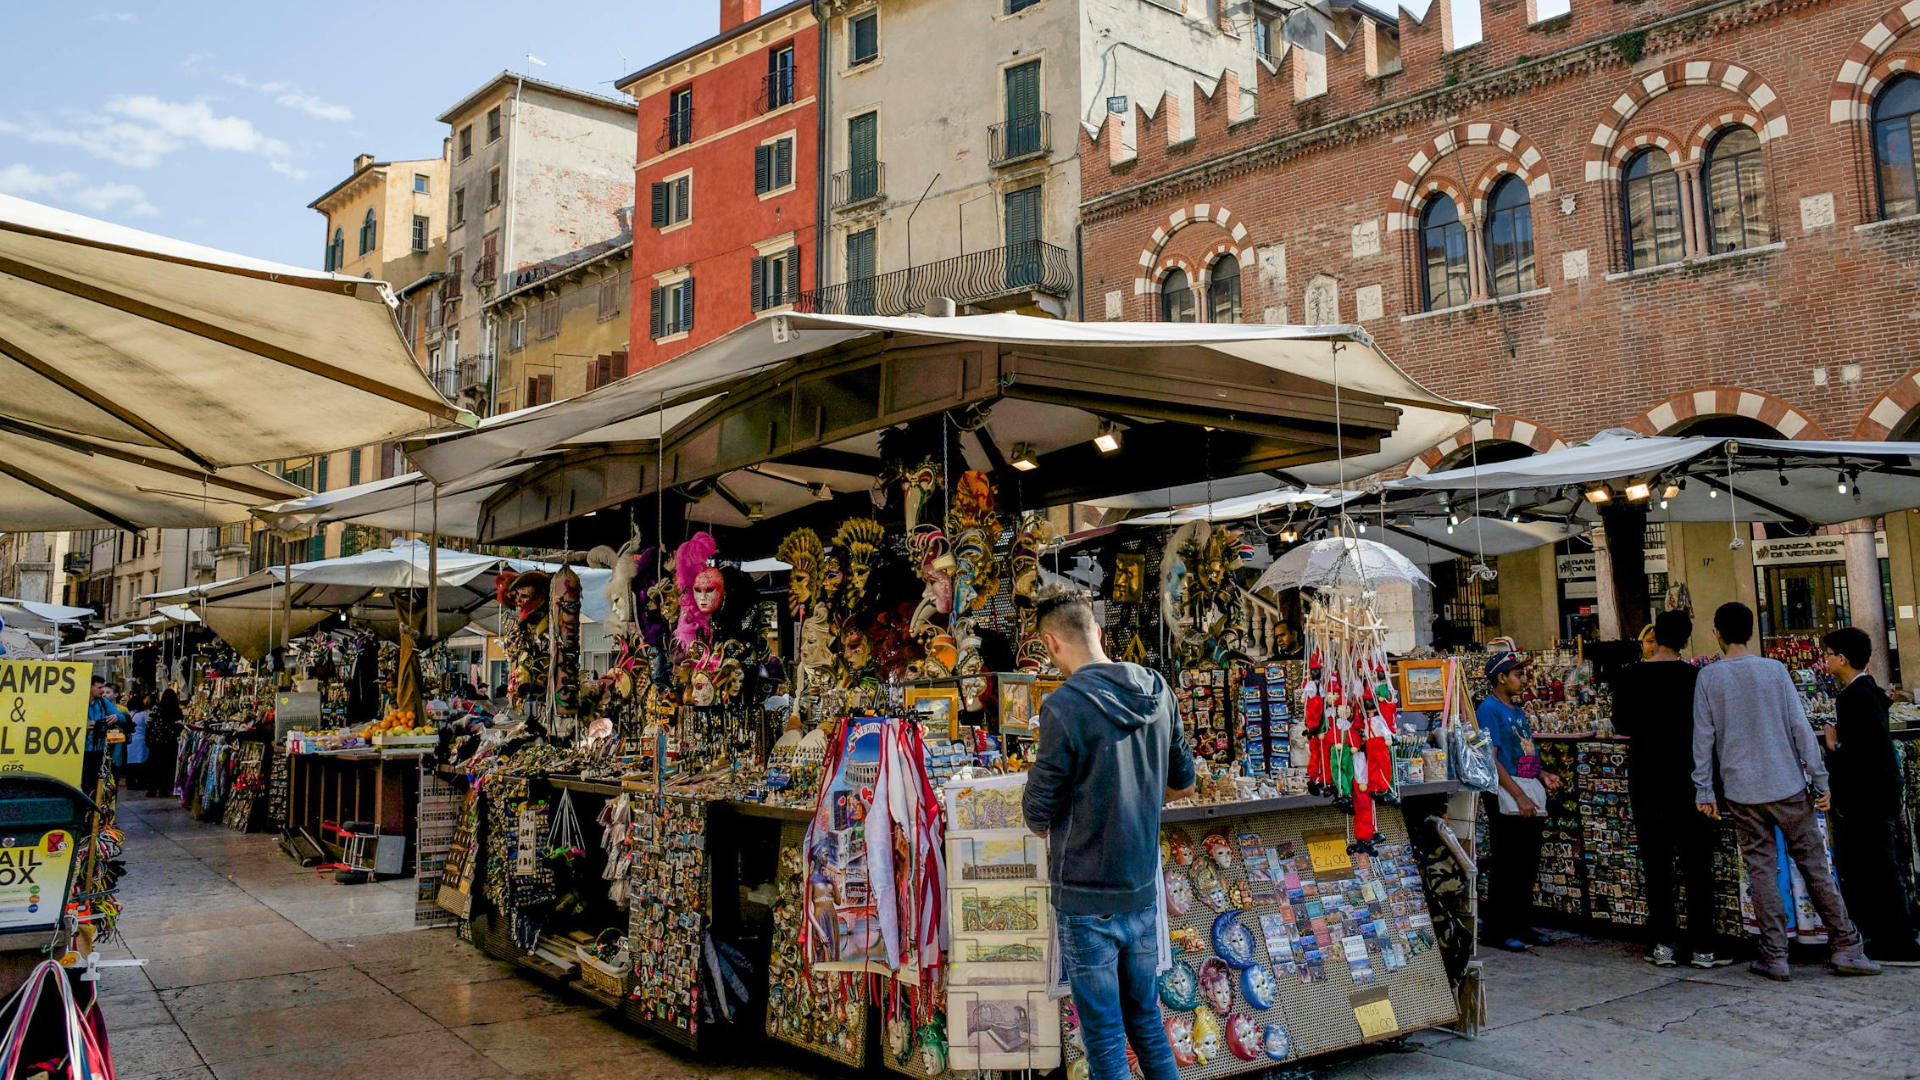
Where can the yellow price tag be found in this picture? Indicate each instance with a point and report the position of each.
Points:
(1328, 851)
(1376, 1019)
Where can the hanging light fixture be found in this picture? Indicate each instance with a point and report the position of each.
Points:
(1023, 458)
(1671, 491)
(1841, 483)
(1599, 495)
(1638, 492)
(1109, 438)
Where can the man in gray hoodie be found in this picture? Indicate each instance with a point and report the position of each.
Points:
(1111, 751)
(1748, 721)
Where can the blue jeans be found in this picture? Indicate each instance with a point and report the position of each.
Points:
(1110, 967)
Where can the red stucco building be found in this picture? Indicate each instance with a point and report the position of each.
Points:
(725, 190)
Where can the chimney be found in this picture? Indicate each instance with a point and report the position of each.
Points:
(362, 162)
(735, 12)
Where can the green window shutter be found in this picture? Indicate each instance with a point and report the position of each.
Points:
(654, 323)
(793, 276)
(686, 306)
(783, 163)
(762, 170)
(1023, 91)
(353, 469)
(1023, 236)
(861, 135)
(757, 282)
(659, 205)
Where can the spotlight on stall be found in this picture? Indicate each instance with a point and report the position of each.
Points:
(1599, 495)
(1671, 491)
(1023, 458)
(1638, 492)
(1109, 438)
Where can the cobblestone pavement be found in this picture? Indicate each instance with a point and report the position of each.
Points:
(257, 968)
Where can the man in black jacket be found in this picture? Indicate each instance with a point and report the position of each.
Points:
(1866, 800)
(1111, 751)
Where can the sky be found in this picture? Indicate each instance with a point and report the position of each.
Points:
(219, 122)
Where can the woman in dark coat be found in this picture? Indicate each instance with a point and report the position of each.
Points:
(163, 742)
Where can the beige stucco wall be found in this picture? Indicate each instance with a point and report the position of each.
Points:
(583, 336)
(1529, 597)
(1697, 554)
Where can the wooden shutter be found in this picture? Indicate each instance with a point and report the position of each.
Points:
(757, 282)
(793, 276)
(762, 170)
(860, 255)
(686, 305)
(1023, 92)
(659, 205)
(864, 45)
(783, 163)
(861, 132)
(683, 198)
(654, 322)
(1023, 234)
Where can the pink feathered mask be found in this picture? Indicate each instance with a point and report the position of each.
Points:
(688, 560)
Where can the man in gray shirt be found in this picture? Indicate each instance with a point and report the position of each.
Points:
(1747, 719)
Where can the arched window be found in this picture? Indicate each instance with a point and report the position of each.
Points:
(337, 249)
(1896, 116)
(1176, 298)
(1223, 291)
(1650, 190)
(367, 233)
(1510, 238)
(1736, 182)
(1443, 246)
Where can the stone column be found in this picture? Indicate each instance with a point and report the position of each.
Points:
(1692, 209)
(1477, 283)
(1863, 593)
(1607, 605)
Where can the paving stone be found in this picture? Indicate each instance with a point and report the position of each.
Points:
(308, 1026)
(492, 1002)
(429, 1054)
(1745, 1017)
(1886, 1047)
(153, 1049)
(1571, 1048)
(306, 955)
(214, 1001)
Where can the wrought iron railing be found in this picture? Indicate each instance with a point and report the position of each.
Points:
(462, 374)
(860, 184)
(776, 89)
(675, 130)
(1031, 266)
(1019, 138)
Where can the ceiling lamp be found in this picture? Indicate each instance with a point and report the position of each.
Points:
(1109, 438)
(1599, 495)
(1638, 492)
(1671, 491)
(1023, 458)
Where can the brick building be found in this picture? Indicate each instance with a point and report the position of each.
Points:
(1672, 216)
(726, 191)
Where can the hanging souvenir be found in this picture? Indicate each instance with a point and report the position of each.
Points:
(1177, 848)
(1257, 986)
(1218, 850)
(565, 620)
(1208, 884)
(1206, 1035)
(802, 551)
(1216, 985)
(1179, 987)
(1180, 1036)
(525, 639)
(1179, 892)
(1243, 1039)
(1232, 941)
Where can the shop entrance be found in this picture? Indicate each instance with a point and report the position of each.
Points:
(1805, 601)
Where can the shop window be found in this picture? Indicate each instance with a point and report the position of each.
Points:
(1736, 184)
(1223, 291)
(459, 206)
(1650, 191)
(1896, 115)
(1443, 247)
(1176, 298)
(1510, 238)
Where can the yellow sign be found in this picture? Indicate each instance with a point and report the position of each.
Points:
(33, 881)
(1328, 852)
(1376, 1018)
(43, 718)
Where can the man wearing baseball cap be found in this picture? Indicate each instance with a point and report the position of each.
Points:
(1521, 807)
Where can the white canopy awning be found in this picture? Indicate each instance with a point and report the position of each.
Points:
(399, 503)
(1769, 480)
(1345, 355)
(21, 614)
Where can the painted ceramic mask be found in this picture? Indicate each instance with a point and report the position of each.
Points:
(900, 1035)
(709, 590)
(1207, 884)
(1179, 848)
(833, 575)
(1179, 988)
(1217, 984)
(921, 482)
(1206, 1035)
(1179, 893)
(1232, 941)
(1274, 1039)
(701, 691)
(801, 550)
(861, 538)
(1257, 986)
(1243, 1038)
(1180, 1037)
(1217, 850)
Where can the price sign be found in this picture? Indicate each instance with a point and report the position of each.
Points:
(1374, 1011)
(1327, 850)
(43, 718)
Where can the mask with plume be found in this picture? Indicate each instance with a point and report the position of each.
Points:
(802, 551)
(922, 481)
(689, 562)
(861, 539)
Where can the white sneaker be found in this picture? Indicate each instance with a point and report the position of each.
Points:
(1661, 956)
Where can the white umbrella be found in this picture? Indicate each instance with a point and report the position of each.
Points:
(1340, 562)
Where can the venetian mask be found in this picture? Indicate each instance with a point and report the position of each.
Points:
(816, 639)
(1216, 984)
(1217, 850)
(709, 590)
(1257, 986)
(1179, 989)
(921, 482)
(855, 650)
(1179, 893)
(801, 550)
(1275, 1041)
(1232, 941)
(833, 575)
(933, 1048)
(1206, 1035)
(1179, 848)
(1242, 1038)
(899, 1035)
(1025, 558)
(1180, 1037)
(861, 538)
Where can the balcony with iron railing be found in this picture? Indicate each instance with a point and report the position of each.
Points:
(1019, 138)
(776, 89)
(232, 538)
(462, 375)
(860, 185)
(1026, 267)
(675, 130)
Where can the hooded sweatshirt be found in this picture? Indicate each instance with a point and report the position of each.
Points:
(1110, 746)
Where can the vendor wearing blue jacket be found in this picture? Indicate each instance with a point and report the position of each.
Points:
(1111, 751)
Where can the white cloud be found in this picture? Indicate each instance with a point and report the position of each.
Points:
(115, 17)
(194, 60)
(139, 130)
(71, 187)
(294, 97)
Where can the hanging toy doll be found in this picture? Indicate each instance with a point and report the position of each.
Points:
(1314, 710)
(1340, 743)
(1381, 713)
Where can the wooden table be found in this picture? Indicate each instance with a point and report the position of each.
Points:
(382, 787)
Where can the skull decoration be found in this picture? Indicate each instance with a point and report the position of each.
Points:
(1232, 941)
(1257, 985)
(1179, 892)
(1243, 1038)
(801, 550)
(1180, 1037)
(1275, 1041)
(1179, 988)
(1206, 1035)
(1218, 850)
(1217, 985)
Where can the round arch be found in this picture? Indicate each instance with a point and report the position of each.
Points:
(1147, 280)
(1669, 77)
(1526, 162)
(1864, 70)
(1504, 428)
(1690, 407)
(1892, 414)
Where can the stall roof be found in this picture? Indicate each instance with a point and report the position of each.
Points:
(400, 503)
(51, 482)
(126, 338)
(1336, 354)
(1772, 480)
(21, 614)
